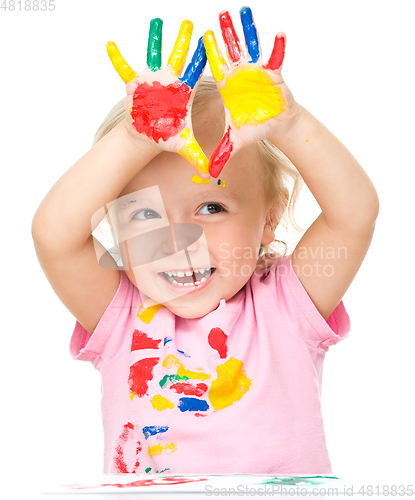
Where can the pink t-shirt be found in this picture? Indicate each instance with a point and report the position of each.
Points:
(235, 391)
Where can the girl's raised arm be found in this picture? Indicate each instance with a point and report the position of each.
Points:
(61, 226)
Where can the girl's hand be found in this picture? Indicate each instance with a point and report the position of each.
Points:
(159, 102)
(257, 101)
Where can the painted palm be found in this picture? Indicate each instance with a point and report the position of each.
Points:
(254, 94)
(158, 104)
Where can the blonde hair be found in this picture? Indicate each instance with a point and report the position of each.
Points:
(279, 173)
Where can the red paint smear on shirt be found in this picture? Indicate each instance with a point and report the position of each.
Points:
(158, 111)
(221, 155)
(165, 481)
(189, 389)
(230, 37)
(277, 55)
(140, 374)
(142, 341)
(119, 449)
(217, 340)
(200, 415)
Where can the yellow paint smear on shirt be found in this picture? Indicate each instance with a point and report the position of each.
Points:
(160, 448)
(171, 361)
(192, 152)
(231, 384)
(147, 312)
(252, 97)
(160, 403)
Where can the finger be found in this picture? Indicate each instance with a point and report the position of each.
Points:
(217, 63)
(154, 44)
(278, 52)
(251, 35)
(230, 37)
(192, 152)
(196, 65)
(222, 154)
(121, 67)
(181, 47)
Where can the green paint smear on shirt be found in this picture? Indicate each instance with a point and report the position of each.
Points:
(154, 44)
(171, 379)
(297, 480)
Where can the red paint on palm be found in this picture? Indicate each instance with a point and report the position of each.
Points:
(221, 155)
(217, 339)
(142, 341)
(277, 55)
(141, 373)
(160, 111)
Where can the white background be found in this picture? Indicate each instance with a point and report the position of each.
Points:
(351, 64)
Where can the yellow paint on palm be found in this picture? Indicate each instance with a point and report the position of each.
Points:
(192, 152)
(216, 61)
(160, 448)
(231, 384)
(160, 403)
(147, 312)
(181, 47)
(252, 97)
(120, 65)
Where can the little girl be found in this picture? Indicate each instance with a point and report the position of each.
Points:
(210, 351)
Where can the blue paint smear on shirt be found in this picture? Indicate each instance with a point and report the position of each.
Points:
(152, 430)
(184, 354)
(192, 404)
(167, 339)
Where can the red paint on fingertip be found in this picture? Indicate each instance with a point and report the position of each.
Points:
(217, 339)
(230, 37)
(277, 55)
(221, 154)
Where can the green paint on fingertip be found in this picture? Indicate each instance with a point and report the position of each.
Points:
(154, 44)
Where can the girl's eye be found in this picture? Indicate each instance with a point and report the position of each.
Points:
(211, 208)
(146, 214)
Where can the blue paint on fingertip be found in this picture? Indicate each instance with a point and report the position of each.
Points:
(196, 65)
(250, 33)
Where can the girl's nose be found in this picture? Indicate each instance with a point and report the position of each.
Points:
(184, 236)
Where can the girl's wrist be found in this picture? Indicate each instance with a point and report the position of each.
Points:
(287, 127)
(140, 145)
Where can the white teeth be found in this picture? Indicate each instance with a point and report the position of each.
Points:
(203, 280)
(180, 274)
(189, 273)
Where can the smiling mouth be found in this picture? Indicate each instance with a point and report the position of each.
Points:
(188, 277)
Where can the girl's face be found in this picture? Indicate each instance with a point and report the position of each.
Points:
(233, 220)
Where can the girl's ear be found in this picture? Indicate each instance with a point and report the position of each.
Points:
(272, 219)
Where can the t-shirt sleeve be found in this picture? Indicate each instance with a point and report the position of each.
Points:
(299, 311)
(106, 339)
